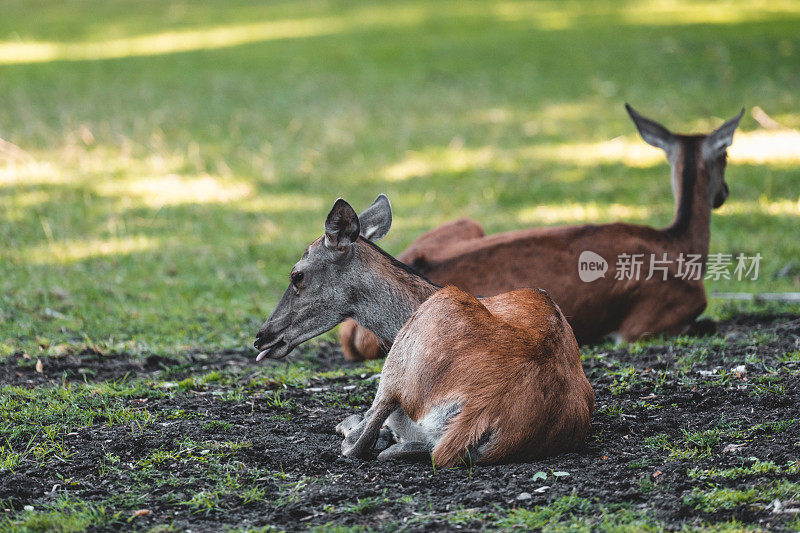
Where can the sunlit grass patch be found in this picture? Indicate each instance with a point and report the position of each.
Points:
(65, 252)
(158, 191)
(165, 43)
(581, 213)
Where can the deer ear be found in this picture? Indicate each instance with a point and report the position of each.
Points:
(651, 131)
(376, 219)
(341, 226)
(719, 140)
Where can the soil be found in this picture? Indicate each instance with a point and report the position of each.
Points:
(738, 386)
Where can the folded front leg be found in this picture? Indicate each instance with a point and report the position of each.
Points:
(407, 451)
(362, 438)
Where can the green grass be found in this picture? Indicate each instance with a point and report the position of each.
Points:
(66, 515)
(571, 513)
(34, 422)
(362, 505)
(702, 443)
(174, 160)
(756, 466)
(626, 379)
(718, 499)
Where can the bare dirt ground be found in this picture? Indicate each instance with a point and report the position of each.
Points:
(687, 433)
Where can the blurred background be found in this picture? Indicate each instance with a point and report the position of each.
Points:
(163, 164)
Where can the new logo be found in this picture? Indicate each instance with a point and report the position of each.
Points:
(591, 266)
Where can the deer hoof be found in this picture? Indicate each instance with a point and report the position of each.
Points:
(346, 426)
(349, 448)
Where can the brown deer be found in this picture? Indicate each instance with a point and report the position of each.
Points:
(467, 379)
(625, 309)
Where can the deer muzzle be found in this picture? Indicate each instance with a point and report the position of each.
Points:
(265, 349)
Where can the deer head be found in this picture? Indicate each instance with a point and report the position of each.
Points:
(711, 149)
(330, 282)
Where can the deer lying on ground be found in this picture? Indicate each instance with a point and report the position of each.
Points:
(479, 380)
(625, 309)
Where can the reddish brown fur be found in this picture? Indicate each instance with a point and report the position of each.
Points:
(432, 246)
(548, 258)
(512, 358)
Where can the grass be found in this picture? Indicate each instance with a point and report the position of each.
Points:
(755, 467)
(573, 513)
(362, 505)
(696, 445)
(566, 513)
(162, 166)
(717, 499)
(66, 515)
(168, 164)
(34, 422)
(625, 381)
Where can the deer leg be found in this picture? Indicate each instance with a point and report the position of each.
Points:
(407, 451)
(361, 439)
(673, 317)
(403, 428)
(346, 426)
(359, 343)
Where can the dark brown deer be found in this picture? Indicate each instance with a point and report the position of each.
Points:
(625, 309)
(467, 379)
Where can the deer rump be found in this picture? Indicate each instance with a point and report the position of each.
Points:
(486, 381)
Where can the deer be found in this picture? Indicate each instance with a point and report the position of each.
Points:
(461, 254)
(473, 380)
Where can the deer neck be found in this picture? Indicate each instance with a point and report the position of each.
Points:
(394, 292)
(692, 223)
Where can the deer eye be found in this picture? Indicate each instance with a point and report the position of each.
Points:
(297, 278)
